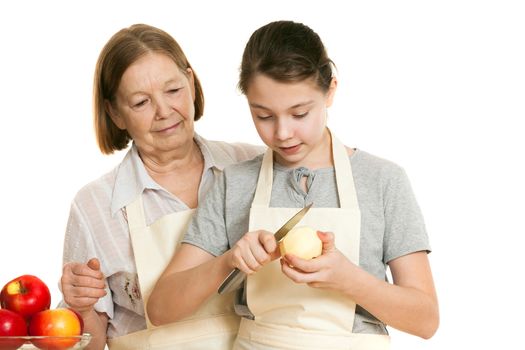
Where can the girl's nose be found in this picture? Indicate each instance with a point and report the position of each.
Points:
(283, 129)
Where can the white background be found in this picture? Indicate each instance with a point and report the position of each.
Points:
(437, 87)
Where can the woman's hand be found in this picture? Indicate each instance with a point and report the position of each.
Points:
(254, 250)
(330, 270)
(82, 285)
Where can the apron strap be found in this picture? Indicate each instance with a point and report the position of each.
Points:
(343, 175)
(135, 214)
(263, 192)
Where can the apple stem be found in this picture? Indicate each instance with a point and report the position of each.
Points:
(16, 287)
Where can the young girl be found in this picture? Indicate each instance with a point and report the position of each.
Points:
(363, 206)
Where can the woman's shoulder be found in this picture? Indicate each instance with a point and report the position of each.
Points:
(99, 189)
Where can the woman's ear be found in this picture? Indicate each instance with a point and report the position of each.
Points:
(331, 92)
(191, 79)
(113, 114)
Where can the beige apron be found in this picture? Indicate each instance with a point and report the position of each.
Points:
(295, 316)
(213, 326)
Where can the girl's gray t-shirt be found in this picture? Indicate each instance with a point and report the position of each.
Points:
(391, 221)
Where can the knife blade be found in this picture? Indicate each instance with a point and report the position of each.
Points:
(234, 279)
(283, 231)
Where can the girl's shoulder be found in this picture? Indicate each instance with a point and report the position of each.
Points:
(246, 168)
(230, 153)
(373, 166)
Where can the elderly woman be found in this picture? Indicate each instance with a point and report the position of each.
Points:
(124, 227)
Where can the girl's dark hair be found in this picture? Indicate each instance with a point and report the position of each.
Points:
(122, 50)
(286, 51)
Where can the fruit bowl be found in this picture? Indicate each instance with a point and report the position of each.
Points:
(45, 343)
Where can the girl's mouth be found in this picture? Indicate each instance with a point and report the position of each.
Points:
(290, 150)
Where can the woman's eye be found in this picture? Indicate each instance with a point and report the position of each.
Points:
(301, 115)
(140, 103)
(264, 117)
(173, 91)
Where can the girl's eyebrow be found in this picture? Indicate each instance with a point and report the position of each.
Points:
(256, 105)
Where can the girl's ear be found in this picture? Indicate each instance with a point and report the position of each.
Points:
(331, 92)
(113, 114)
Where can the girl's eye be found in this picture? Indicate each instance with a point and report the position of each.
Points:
(301, 115)
(264, 117)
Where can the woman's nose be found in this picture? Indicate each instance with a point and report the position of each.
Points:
(163, 108)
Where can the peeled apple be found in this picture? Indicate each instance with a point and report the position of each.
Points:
(302, 242)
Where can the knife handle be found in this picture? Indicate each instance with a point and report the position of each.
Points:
(231, 282)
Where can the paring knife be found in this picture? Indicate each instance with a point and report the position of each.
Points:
(235, 277)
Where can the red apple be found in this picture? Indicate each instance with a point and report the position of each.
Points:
(11, 325)
(25, 295)
(62, 324)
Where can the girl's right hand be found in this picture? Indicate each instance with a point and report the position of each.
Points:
(254, 250)
(82, 285)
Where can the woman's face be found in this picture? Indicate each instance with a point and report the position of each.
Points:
(155, 104)
(290, 118)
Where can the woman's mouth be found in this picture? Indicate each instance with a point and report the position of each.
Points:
(170, 128)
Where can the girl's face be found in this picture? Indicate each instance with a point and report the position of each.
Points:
(291, 119)
(155, 104)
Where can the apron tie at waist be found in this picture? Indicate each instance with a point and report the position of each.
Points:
(301, 339)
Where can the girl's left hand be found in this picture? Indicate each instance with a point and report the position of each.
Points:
(330, 270)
